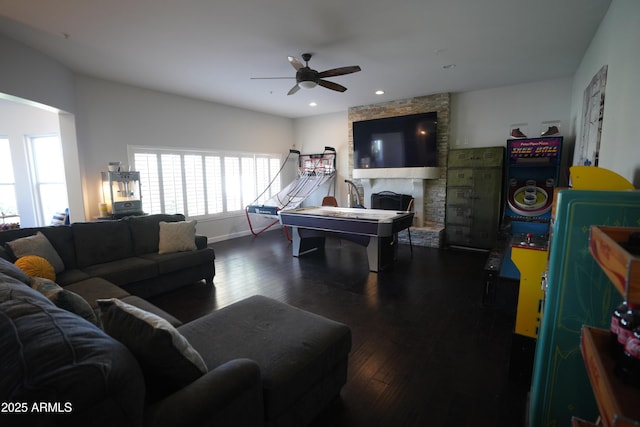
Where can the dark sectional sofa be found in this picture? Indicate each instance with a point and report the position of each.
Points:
(261, 362)
(123, 252)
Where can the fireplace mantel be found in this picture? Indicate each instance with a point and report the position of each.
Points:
(398, 173)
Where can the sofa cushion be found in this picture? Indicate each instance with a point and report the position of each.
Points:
(38, 245)
(50, 355)
(177, 237)
(123, 271)
(96, 288)
(36, 266)
(6, 254)
(145, 231)
(61, 237)
(168, 263)
(295, 349)
(166, 357)
(64, 298)
(72, 275)
(10, 269)
(101, 242)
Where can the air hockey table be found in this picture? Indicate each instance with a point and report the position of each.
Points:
(376, 229)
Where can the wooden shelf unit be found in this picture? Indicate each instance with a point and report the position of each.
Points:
(618, 403)
(621, 267)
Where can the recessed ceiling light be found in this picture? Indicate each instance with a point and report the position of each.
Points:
(312, 104)
(379, 92)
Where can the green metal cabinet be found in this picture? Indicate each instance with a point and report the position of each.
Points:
(474, 196)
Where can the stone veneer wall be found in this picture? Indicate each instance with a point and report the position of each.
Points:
(434, 190)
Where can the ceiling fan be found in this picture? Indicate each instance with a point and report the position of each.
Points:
(308, 78)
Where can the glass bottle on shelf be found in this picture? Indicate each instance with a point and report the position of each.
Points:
(616, 347)
(628, 366)
(629, 324)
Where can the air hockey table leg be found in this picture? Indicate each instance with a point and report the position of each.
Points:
(381, 252)
(302, 245)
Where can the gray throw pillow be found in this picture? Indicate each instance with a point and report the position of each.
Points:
(166, 357)
(37, 245)
(64, 299)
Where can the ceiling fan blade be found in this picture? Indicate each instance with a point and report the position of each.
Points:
(270, 78)
(294, 89)
(295, 62)
(341, 71)
(332, 85)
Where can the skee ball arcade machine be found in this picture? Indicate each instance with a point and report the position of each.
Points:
(532, 173)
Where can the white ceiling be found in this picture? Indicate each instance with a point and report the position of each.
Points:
(210, 49)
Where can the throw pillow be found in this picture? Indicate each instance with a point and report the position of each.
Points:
(177, 237)
(166, 357)
(64, 298)
(36, 266)
(12, 270)
(37, 245)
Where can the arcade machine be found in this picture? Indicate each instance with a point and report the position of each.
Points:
(532, 173)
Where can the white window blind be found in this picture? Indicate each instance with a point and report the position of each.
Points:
(194, 185)
(203, 183)
(150, 184)
(232, 183)
(213, 168)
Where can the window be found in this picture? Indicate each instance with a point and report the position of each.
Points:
(203, 183)
(50, 187)
(8, 202)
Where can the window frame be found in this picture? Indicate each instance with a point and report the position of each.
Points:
(39, 184)
(9, 217)
(207, 191)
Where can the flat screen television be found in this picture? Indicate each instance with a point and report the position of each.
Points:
(396, 142)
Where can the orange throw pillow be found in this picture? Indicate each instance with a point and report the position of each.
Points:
(36, 266)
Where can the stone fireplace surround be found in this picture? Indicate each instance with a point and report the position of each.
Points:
(429, 194)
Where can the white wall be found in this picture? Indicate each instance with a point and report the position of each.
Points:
(112, 116)
(615, 44)
(312, 134)
(482, 118)
(28, 74)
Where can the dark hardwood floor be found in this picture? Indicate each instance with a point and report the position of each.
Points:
(426, 351)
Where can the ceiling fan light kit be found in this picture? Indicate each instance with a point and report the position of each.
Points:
(308, 78)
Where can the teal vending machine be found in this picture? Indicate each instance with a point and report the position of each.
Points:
(577, 293)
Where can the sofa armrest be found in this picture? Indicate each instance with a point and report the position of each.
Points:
(229, 395)
(201, 241)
